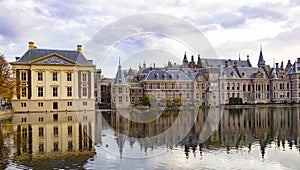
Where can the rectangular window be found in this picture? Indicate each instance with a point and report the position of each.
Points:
(23, 76)
(187, 85)
(70, 145)
(69, 103)
(120, 99)
(23, 104)
(40, 104)
(120, 89)
(41, 147)
(84, 103)
(166, 86)
(55, 130)
(173, 85)
(70, 132)
(83, 77)
(23, 91)
(41, 119)
(40, 76)
(54, 92)
(69, 118)
(150, 85)
(84, 91)
(55, 117)
(54, 76)
(69, 76)
(55, 105)
(69, 91)
(41, 132)
(188, 95)
(40, 91)
(55, 146)
(158, 85)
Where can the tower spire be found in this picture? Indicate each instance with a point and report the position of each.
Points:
(261, 61)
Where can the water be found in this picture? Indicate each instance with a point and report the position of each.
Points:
(249, 138)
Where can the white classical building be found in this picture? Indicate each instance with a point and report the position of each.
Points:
(53, 80)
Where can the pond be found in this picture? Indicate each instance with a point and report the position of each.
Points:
(217, 138)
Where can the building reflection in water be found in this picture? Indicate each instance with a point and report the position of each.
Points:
(238, 128)
(44, 140)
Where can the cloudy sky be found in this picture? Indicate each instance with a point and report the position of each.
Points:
(231, 27)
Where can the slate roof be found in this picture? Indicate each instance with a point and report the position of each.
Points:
(35, 53)
(221, 62)
(120, 78)
(163, 74)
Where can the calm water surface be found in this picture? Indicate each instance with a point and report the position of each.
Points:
(250, 138)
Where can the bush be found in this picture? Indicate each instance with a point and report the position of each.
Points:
(235, 100)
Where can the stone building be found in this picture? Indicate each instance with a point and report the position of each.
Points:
(217, 81)
(120, 91)
(53, 80)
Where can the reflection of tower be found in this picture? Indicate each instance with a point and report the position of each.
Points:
(98, 127)
(120, 141)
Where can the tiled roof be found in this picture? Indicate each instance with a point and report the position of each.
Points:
(35, 53)
(221, 62)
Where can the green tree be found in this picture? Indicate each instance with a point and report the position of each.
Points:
(7, 82)
(148, 99)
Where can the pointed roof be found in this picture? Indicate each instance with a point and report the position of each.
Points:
(261, 61)
(185, 58)
(199, 64)
(120, 79)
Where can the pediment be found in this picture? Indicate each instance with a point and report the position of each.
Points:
(53, 59)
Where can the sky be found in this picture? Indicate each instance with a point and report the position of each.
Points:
(232, 28)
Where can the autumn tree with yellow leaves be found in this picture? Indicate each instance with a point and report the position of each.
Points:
(7, 82)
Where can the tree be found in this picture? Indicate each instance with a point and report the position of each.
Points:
(7, 82)
(148, 99)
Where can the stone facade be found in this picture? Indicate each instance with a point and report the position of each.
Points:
(53, 80)
(120, 91)
(217, 81)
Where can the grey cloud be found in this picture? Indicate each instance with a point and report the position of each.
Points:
(227, 20)
(252, 12)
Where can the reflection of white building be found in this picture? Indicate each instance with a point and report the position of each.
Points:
(120, 91)
(41, 133)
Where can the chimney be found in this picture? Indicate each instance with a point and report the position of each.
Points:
(144, 64)
(281, 66)
(79, 48)
(153, 65)
(277, 65)
(31, 45)
(247, 57)
(226, 63)
(288, 65)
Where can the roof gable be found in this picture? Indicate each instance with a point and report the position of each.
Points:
(53, 59)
